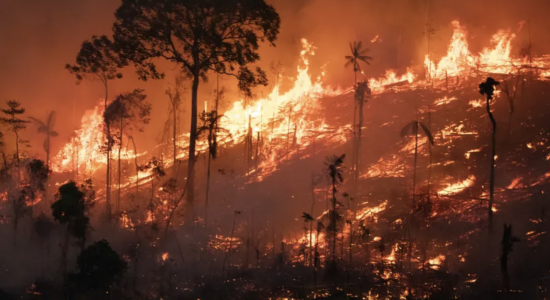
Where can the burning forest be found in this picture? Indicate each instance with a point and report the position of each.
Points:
(425, 180)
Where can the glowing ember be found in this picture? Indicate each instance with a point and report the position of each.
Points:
(435, 263)
(164, 256)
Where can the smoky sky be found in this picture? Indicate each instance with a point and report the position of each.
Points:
(38, 37)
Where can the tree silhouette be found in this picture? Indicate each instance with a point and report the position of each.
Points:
(98, 60)
(38, 173)
(211, 130)
(70, 210)
(362, 94)
(129, 111)
(14, 124)
(175, 96)
(200, 36)
(487, 88)
(2, 150)
(99, 269)
(358, 55)
(412, 129)
(507, 243)
(309, 219)
(334, 167)
(47, 129)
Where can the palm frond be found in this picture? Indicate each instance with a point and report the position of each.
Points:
(43, 129)
(428, 133)
(39, 122)
(409, 129)
(51, 119)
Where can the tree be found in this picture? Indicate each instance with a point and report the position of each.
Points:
(511, 97)
(99, 268)
(358, 54)
(14, 124)
(4, 169)
(173, 121)
(129, 112)
(334, 167)
(200, 36)
(507, 243)
(98, 60)
(211, 130)
(70, 210)
(362, 94)
(487, 88)
(309, 219)
(47, 129)
(38, 173)
(412, 129)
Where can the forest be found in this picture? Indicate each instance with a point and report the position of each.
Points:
(259, 179)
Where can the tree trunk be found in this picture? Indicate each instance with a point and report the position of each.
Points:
(207, 190)
(119, 165)
(17, 157)
(108, 175)
(414, 172)
(48, 149)
(174, 136)
(137, 167)
(192, 142)
(493, 153)
(334, 220)
(504, 271)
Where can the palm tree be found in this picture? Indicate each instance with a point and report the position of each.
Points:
(335, 166)
(412, 129)
(309, 219)
(211, 129)
(362, 93)
(47, 129)
(487, 88)
(358, 54)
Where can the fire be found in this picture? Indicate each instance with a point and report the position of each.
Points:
(164, 256)
(458, 187)
(372, 211)
(435, 263)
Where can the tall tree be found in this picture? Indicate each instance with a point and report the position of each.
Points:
(98, 60)
(47, 129)
(358, 54)
(14, 124)
(38, 173)
(210, 130)
(200, 36)
(128, 112)
(175, 94)
(487, 88)
(412, 129)
(334, 167)
(362, 94)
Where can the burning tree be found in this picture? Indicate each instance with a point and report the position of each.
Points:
(47, 129)
(97, 60)
(200, 36)
(14, 124)
(487, 88)
(129, 112)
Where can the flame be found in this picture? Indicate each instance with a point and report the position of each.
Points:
(164, 256)
(458, 187)
(459, 61)
(435, 263)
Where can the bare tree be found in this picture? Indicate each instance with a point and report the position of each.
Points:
(175, 94)
(47, 129)
(487, 88)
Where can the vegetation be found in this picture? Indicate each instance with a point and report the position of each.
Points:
(266, 228)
